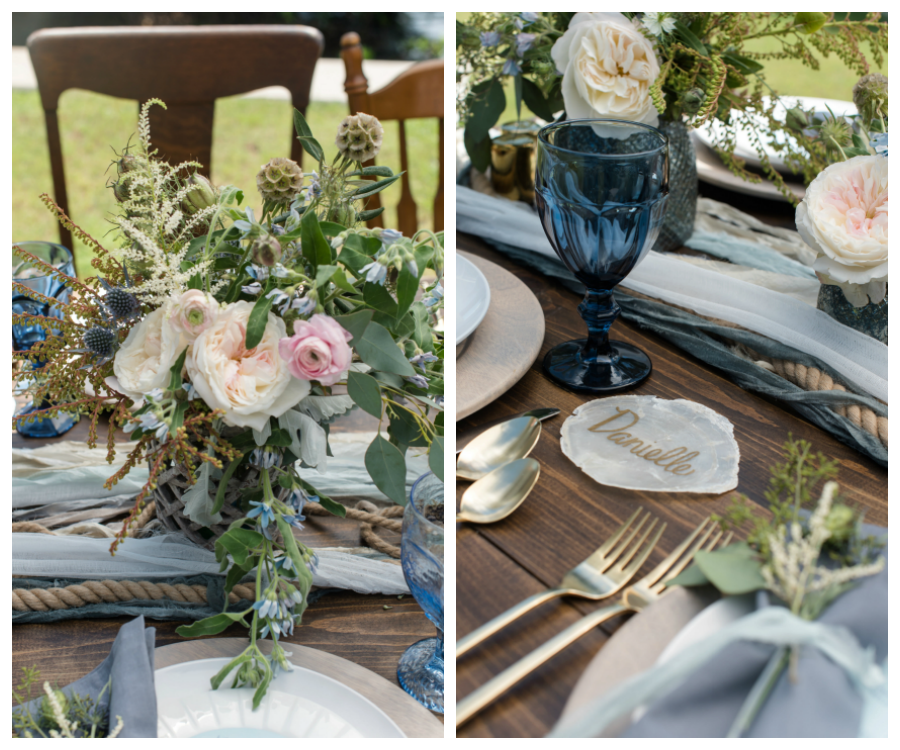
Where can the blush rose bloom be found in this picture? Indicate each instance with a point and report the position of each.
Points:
(193, 313)
(844, 218)
(146, 356)
(318, 350)
(608, 66)
(249, 385)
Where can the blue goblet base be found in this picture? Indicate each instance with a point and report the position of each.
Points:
(421, 674)
(45, 427)
(623, 366)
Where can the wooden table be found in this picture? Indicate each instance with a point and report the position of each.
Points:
(569, 515)
(372, 631)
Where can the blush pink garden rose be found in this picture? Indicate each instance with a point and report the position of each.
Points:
(249, 385)
(146, 356)
(844, 218)
(318, 350)
(608, 66)
(193, 313)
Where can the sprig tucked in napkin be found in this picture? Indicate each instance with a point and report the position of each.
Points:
(122, 686)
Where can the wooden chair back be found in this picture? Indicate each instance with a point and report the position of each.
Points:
(187, 67)
(417, 92)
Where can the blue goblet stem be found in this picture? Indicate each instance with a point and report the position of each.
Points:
(599, 310)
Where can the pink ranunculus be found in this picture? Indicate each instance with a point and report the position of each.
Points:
(318, 350)
(193, 313)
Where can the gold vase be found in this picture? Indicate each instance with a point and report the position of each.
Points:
(513, 160)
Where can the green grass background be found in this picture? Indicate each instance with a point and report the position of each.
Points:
(833, 80)
(247, 133)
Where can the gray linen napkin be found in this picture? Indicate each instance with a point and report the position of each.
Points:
(823, 703)
(129, 669)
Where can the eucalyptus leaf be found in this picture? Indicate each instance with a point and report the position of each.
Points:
(479, 150)
(378, 349)
(486, 103)
(733, 570)
(313, 243)
(387, 467)
(312, 147)
(534, 99)
(324, 274)
(211, 625)
(691, 576)
(356, 323)
(364, 390)
(258, 320)
(379, 298)
(436, 457)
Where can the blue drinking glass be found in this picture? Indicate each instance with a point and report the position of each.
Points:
(421, 668)
(600, 189)
(26, 336)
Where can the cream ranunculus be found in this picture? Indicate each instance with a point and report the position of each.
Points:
(608, 66)
(844, 218)
(248, 385)
(146, 356)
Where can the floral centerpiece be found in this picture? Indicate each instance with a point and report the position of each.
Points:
(226, 343)
(671, 70)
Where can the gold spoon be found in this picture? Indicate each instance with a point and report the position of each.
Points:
(499, 493)
(497, 446)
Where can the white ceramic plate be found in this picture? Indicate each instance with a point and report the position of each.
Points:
(473, 297)
(744, 146)
(710, 621)
(301, 703)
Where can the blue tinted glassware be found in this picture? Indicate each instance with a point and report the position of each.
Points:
(26, 336)
(421, 668)
(600, 190)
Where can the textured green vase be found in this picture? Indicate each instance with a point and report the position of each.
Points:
(871, 319)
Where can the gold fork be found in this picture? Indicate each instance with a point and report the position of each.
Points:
(634, 599)
(601, 575)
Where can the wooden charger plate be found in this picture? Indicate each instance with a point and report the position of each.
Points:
(413, 718)
(494, 358)
(636, 646)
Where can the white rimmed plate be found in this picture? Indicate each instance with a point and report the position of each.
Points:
(473, 297)
(301, 703)
(710, 621)
(744, 145)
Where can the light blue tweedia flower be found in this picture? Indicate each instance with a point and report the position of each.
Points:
(267, 606)
(264, 512)
(264, 458)
(292, 519)
(421, 358)
(879, 142)
(490, 38)
(155, 395)
(162, 431)
(303, 305)
(298, 500)
(190, 390)
(412, 267)
(253, 289)
(278, 296)
(315, 189)
(313, 563)
(376, 273)
(390, 236)
(439, 400)
(420, 381)
(528, 18)
(149, 421)
(511, 68)
(523, 43)
(284, 564)
(434, 296)
(249, 225)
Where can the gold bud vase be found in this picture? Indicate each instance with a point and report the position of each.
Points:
(513, 160)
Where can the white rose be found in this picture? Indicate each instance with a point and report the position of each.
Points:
(844, 218)
(146, 356)
(248, 385)
(608, 66)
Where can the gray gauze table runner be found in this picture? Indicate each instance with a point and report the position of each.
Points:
(696, 335)
(129, 669)
(823, 703)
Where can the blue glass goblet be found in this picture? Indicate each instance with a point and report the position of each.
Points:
(600, 189)
(421, 668)
(26, 336)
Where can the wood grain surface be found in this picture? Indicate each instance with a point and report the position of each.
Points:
(503, 347)
(371, 631)
(568, 515)
(412, 718)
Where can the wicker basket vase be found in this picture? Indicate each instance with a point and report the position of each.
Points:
(175, 482)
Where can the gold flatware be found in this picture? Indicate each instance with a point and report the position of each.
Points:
(499, 493)
(634, 599)
(593, 578)
(465, 436)
(497, 446)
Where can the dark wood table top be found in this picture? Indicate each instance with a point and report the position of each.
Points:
(568, 515)
(372, 631)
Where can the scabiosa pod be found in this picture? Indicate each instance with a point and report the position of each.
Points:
(279, 181)
(359, 137)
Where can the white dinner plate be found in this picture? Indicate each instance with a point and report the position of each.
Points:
(301, 703)
(743, 144)
(473, 297)
(710, 621)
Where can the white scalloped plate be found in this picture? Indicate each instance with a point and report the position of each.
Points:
(473, 297)
(301, 703)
